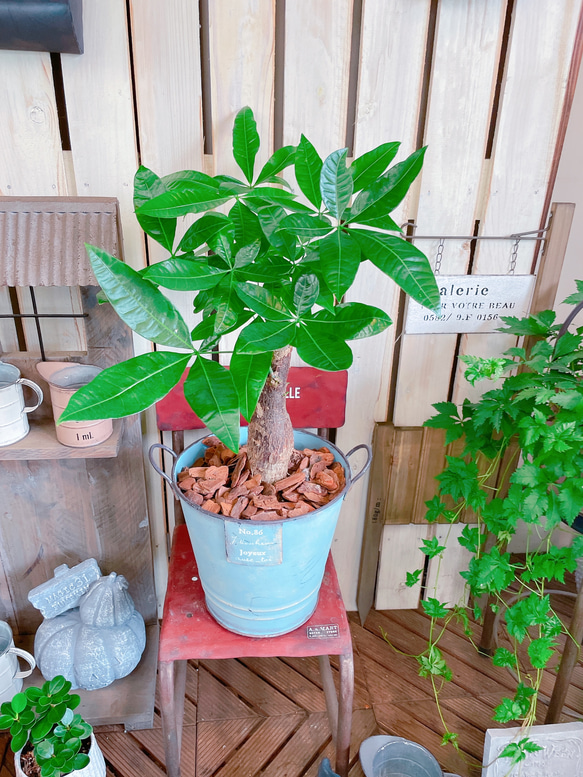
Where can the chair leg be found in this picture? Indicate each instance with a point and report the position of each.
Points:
(345, 713)
(329, 694)
(568, 661)
(172, 715)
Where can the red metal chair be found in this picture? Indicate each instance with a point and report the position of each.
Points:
(190, 632)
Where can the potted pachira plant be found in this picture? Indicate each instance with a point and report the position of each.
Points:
(274, 269)
(520, 461)
(48, 738)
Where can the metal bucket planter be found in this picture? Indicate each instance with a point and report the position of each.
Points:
(261, 578)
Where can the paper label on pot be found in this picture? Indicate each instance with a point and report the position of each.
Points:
(253, 544)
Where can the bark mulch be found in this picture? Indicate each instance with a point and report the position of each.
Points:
(221, 482)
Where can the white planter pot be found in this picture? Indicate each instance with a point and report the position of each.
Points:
(95, 767)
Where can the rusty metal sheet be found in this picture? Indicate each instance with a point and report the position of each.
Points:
(42, 239)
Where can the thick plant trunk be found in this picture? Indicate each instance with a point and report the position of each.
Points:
(270, 442)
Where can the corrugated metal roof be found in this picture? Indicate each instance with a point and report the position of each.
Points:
(42, 239)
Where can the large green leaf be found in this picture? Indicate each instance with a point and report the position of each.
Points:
(261, 336)
(204, 229)
(245, 141)
(270, 218)
(127, 388)
(384, 194)
(340, 259)
(263, 302)
(306, 292)
(279, 160)
(138, 302)
(265, 269)
(246, 255)
(308, 166)
(316, 346)
(366, 168)
(336, 183)
(354, 320)
(205, 329)
(146, 186)
(184, 274)
(187, 192)
(210, 391)
(402, 262)
(247, 226)
(249, 372)
(306, 226)
(376, 216)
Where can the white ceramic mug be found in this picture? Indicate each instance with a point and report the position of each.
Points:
(10, 675)
(13, 413)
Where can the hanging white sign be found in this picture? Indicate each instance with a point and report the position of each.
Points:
(472, 303)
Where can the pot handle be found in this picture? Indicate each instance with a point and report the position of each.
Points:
(162, 474)
(368, 449)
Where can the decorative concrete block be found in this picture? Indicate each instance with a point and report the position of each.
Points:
(65, 589)
(561, 756)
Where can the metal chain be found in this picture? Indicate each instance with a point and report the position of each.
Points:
(439, 256)
(513, 256)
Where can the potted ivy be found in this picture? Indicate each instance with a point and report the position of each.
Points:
(48, 738)
(529, 430)
(273, 269)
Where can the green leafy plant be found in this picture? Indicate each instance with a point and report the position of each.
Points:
(44, 718)
(268, 266)
(520, 460)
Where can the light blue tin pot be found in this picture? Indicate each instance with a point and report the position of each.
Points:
(261, 578)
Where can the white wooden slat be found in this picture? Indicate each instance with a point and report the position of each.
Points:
(317, 60)
(242, 51)
(242, 59)
(539, 58)
(168, 85)
(443, 575)
(31, 160)
(463, 78)
(392, 51)
(99, 99)
(8, 337)
(400, 554)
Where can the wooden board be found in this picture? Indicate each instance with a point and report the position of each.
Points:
(390, 68)
(242, 48)
(382, 446)
(443, 579)
(399, 554)
(463, 77)
(100, 113)
(539, 57)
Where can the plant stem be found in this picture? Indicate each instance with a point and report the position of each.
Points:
(271, 440)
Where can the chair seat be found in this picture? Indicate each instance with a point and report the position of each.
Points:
(190, 632)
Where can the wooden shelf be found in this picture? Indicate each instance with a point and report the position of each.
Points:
(41, 443)
(129, 701)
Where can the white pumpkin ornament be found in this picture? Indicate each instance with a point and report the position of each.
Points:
(96, 643)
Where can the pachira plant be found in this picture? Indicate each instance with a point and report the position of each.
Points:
(44, 719)
(520, 462)
(267, 265)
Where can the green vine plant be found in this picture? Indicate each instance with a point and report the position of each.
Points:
(520, 460)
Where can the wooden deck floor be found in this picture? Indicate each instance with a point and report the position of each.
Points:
(267, 716)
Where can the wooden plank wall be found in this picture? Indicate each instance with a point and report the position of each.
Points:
(483, 84)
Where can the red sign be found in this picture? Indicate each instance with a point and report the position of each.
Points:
(315, 398)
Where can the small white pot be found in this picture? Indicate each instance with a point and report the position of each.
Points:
(95, 767)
